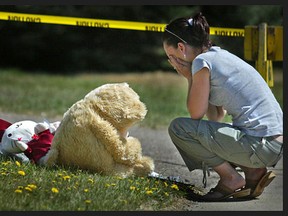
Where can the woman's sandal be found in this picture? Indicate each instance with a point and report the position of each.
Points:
(222, 193)
(257, 187)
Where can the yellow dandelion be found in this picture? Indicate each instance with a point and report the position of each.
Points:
(119, 177)
(28, 189)
(166, 194)
(174, 186)
(88, 201)
(66, 177)
(90, 180)
(86, 190)
(132, 187)
(21, 172)
(3, 173)
(32, 186)
(113, 184)
(20, 187)
(107, 185)
(54, 190)
(18, 191)
(6, 163)
(149, 192)
(17, 163)
(166, 184)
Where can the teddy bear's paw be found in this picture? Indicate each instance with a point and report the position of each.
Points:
(144, 166)
(122, 171)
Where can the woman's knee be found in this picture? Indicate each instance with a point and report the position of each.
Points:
(183, 124)
(174, 126)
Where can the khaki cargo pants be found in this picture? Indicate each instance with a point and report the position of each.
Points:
(203, 143)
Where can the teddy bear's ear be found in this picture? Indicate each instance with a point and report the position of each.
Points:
(3, 126)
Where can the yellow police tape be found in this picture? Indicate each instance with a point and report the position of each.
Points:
(103, 23)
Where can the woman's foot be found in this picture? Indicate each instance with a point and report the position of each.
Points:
(231, 184)
(257, 179)
(221, 192)
(229, 176)
(257, 186)
(254, 174)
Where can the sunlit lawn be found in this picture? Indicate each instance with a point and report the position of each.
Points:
(30, 188)
(51, 95)
(48, 95)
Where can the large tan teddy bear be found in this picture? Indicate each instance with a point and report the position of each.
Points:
(93, 134)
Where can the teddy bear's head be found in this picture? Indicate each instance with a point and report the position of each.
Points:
(20, 131)
(118, 104)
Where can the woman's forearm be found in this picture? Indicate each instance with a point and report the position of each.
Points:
(198, 94)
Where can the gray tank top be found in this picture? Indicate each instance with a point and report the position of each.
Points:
(241, 90)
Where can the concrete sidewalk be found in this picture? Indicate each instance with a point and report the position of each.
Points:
(157, 144)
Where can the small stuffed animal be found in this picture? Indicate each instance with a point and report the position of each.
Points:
(93, 133)
(28, 137)
(20, 156)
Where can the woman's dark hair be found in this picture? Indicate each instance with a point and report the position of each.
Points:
(191, 30)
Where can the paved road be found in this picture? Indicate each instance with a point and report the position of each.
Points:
(157, 144)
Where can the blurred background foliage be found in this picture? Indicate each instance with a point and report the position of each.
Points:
(70, 49)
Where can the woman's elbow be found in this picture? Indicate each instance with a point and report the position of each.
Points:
(196, 115)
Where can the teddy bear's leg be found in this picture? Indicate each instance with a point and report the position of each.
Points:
(132, 151)
(122, 150)
(122, 170)
(144, 166)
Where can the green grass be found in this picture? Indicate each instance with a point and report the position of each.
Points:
(32, 188)
(49, 96)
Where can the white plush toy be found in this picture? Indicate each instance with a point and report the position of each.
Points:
(93, 133)
(27, 139)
